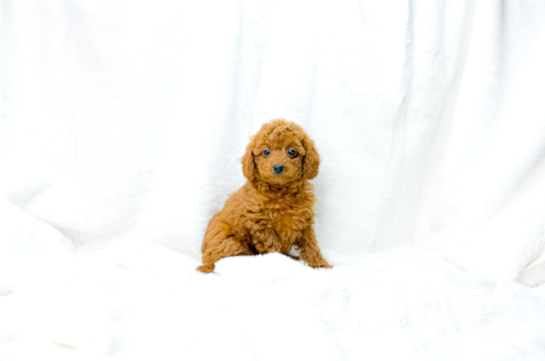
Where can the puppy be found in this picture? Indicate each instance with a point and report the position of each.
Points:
(273, 211)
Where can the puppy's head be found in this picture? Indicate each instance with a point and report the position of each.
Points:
(281, 152)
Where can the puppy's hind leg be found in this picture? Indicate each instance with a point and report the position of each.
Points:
(221, 246)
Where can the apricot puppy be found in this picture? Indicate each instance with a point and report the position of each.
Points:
(273, 211)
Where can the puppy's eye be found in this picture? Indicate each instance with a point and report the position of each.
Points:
(292, 152)
(266, 152)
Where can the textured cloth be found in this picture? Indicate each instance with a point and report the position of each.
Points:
(121, 132)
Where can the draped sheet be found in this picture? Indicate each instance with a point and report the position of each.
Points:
(121, 132)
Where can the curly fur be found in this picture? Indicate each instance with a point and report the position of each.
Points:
(271, 212)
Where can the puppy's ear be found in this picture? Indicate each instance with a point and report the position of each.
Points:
(311, 161)
(248, 163)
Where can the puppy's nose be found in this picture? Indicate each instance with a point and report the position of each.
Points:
(278, 168)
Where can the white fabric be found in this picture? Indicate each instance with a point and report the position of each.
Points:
(123, 124)
(140, 301)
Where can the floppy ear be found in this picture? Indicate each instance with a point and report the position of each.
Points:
(248, 163)
(311, 161)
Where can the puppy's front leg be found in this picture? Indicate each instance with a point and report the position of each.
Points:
(266, 241)
(310, 253)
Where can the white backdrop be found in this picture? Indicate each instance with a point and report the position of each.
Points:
(125, 119)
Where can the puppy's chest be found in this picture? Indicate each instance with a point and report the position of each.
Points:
(283, 218)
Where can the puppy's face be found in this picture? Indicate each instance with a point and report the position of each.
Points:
(279, 153)
(279, 159)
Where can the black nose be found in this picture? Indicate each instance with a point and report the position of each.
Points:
(278, 168)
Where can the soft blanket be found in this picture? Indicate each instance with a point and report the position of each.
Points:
(140, 301)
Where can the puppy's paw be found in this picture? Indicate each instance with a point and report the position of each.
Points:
(206, 268)
(321, 264)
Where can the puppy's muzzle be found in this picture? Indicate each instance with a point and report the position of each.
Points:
(278, 168)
